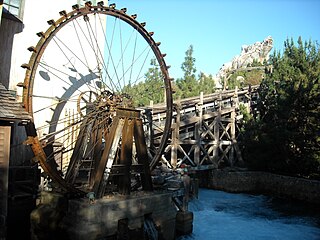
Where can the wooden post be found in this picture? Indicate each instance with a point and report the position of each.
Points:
(233, 136)
(142, 155)
(126, 157)
(175, 138)
(107, 158)
(216, 132)
(150, 143)
(197, 130)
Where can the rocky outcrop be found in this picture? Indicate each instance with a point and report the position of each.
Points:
(257, 52)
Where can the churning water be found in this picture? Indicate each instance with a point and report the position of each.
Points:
(219, 216)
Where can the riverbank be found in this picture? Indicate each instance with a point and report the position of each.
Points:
(263, 183)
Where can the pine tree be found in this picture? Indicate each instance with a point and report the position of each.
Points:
(206, 83)
(154, 83)
(188, 85)
(150, 89)
(286, 135)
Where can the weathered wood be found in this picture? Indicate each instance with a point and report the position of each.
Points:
(5, 132)
(175, 137)
(142, 155)
(205, 129)
(126, 156)
(108, 155)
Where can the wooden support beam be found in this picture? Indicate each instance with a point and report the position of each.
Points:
(197, 131)
(101, 176)
(175, 137)
(124, 184)
(142, 155)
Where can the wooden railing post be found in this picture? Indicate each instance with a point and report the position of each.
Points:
(175, 137)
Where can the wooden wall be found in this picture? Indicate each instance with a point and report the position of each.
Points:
(4, 170)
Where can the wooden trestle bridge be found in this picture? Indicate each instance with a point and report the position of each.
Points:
(204, 130)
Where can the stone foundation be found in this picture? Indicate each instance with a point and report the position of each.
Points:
(264, 183)
(106, 218)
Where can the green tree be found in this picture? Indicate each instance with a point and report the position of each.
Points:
(151, 89)
(206, 83)
(285, 137)
(252, 75)
(188, 85)
(154, 82)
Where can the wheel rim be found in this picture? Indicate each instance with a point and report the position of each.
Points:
(95, 50)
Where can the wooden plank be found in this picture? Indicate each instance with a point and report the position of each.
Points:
(108, 155)
(142, 155)
(126, 156)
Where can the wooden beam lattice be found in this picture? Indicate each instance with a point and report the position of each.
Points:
(204, 129)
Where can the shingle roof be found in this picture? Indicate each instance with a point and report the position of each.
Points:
(10, 109)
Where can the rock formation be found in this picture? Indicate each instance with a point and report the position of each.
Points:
(258, 52)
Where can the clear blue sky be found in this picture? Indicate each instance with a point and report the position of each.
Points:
(218, 29)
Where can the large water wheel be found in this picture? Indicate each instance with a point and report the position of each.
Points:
(85, 87)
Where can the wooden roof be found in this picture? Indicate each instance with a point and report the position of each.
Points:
(10, 109)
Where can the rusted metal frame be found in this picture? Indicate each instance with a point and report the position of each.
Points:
(142, 155)
(124, 184)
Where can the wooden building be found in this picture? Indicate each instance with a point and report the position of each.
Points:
(19, 175)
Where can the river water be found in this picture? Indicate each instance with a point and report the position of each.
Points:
(222, 216)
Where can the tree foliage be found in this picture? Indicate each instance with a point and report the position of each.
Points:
(151, 89)
(285, 136)
(251, 75)
(189, 85)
